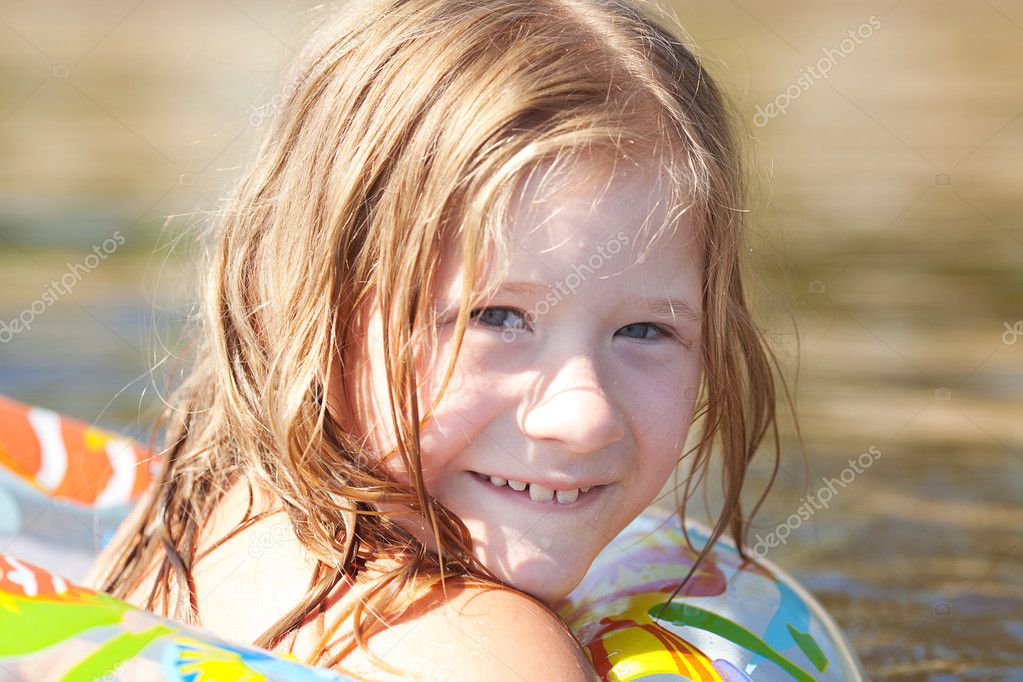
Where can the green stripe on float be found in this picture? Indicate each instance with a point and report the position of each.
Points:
(810, 647)
(694, 616)
(118, 650)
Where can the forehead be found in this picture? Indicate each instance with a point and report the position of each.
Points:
(598, 199)
(609, 218)
(604, 226)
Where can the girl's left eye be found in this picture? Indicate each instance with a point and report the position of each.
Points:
(500, 317)
(658, 329)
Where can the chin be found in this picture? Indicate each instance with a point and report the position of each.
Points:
(545, 578)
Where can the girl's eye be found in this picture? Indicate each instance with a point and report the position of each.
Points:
(510, 318)
(499, 317)
(641, 327)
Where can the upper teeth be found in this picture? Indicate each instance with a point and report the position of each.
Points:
(541, 493)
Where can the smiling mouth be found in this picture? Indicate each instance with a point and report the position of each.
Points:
(535, 491)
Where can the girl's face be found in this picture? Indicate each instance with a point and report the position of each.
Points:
(574, 389)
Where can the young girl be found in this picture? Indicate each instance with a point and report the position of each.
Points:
(458, 319)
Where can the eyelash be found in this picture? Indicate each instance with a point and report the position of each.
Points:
(667, 333)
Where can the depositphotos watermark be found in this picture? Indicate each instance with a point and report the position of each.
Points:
(811, 504)
(567, 286)
(1012, 333)
(115, 674)
(60, 287)
(812, 73)
(267, 538)
(261, 113)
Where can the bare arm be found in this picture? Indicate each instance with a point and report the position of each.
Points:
(480, 634)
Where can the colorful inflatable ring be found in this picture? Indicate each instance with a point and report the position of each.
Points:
(735, 622)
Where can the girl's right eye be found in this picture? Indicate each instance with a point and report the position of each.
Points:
(501, 317)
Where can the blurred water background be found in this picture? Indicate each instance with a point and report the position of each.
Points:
(888, 233)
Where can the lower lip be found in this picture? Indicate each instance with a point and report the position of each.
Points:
(584, 501)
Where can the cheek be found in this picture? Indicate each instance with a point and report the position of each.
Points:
(449, 430)
(469, 403)
(662, 412)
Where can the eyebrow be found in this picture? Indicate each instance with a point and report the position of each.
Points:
(669, 307)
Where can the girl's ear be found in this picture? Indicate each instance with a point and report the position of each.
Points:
(334, 394)
(339, 403)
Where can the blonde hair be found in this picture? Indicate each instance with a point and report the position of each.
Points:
(409, 128)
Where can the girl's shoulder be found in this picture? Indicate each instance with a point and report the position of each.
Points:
(245, 579)
(466, 631)
(474, 632)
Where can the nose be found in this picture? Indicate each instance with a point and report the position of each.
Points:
(575, 408)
